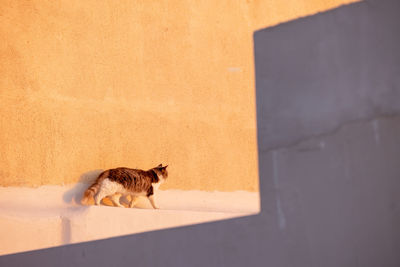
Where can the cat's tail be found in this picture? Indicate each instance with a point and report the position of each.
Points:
(92, 190)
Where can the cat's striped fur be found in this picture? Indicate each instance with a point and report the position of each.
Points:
(125, 181)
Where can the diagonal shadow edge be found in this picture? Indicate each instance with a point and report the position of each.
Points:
(253, 240)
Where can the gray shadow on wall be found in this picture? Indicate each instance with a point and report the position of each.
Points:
(328, 108)
(74, 195)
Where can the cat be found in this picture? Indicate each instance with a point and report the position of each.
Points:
(125, 181)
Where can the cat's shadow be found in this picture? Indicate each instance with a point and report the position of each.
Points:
(75, 194)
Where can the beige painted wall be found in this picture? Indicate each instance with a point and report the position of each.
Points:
(88, 85)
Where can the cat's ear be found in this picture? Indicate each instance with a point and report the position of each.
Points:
(159, 166)
(165, 167)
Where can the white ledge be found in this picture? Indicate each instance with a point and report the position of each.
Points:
(36, 218)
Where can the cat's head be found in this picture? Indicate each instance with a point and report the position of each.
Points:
(162, 170)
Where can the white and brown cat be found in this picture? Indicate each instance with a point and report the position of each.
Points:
(125, 181)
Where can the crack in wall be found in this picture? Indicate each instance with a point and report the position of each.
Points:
(373, 119)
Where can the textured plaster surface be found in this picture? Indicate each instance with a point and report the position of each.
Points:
(329, 186)
(89, 85)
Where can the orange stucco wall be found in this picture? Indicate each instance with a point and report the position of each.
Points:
(88, 85)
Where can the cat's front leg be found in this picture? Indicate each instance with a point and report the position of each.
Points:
(152, 201)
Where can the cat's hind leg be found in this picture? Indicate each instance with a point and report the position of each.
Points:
(133, 201)
(107, 188)
(104, 192)
(115, 199)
